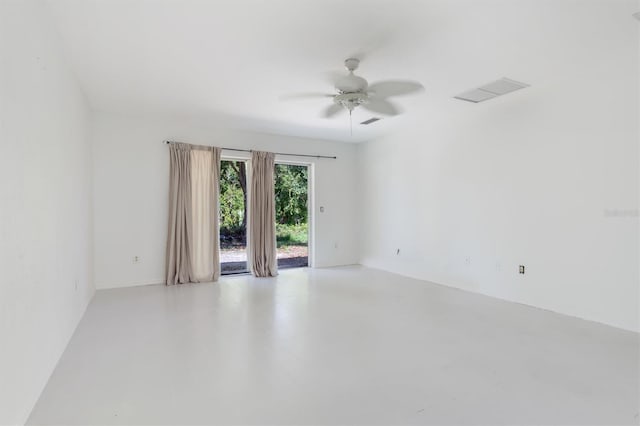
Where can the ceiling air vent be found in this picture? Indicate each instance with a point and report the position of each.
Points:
(369, 121)
(491, 90)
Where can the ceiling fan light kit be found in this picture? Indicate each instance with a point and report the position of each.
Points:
(350, 101)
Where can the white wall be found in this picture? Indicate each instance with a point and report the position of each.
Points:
(131, 171)
(546, 178)
(45, 215)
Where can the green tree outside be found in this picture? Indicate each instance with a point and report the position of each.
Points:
(291, 189)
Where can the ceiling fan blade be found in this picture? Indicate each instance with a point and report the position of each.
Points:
(309, 95)
(332, 110)
(382, 106)
(385, 89)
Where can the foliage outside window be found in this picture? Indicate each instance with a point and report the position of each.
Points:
(291, 183)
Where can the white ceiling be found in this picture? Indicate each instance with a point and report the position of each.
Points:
(229, 61)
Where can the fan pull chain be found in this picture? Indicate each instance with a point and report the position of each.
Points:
(350, 122)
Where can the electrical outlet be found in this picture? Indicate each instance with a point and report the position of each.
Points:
(397, 252)
(136, 259)
(467, 260)
(521, 269)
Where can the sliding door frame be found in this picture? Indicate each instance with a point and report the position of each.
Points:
(311, 234)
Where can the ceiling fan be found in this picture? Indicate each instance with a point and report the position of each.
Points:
(354, 91)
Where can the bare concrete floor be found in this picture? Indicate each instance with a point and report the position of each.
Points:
(336, 346)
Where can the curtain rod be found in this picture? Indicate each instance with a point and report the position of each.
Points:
(277, 153)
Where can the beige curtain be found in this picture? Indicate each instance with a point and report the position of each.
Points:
(205, 243)
(178, 262)
(262, 215)
(193, 253)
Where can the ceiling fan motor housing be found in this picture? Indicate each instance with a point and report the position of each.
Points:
(351, 83)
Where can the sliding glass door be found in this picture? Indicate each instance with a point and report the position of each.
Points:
(292, 216)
